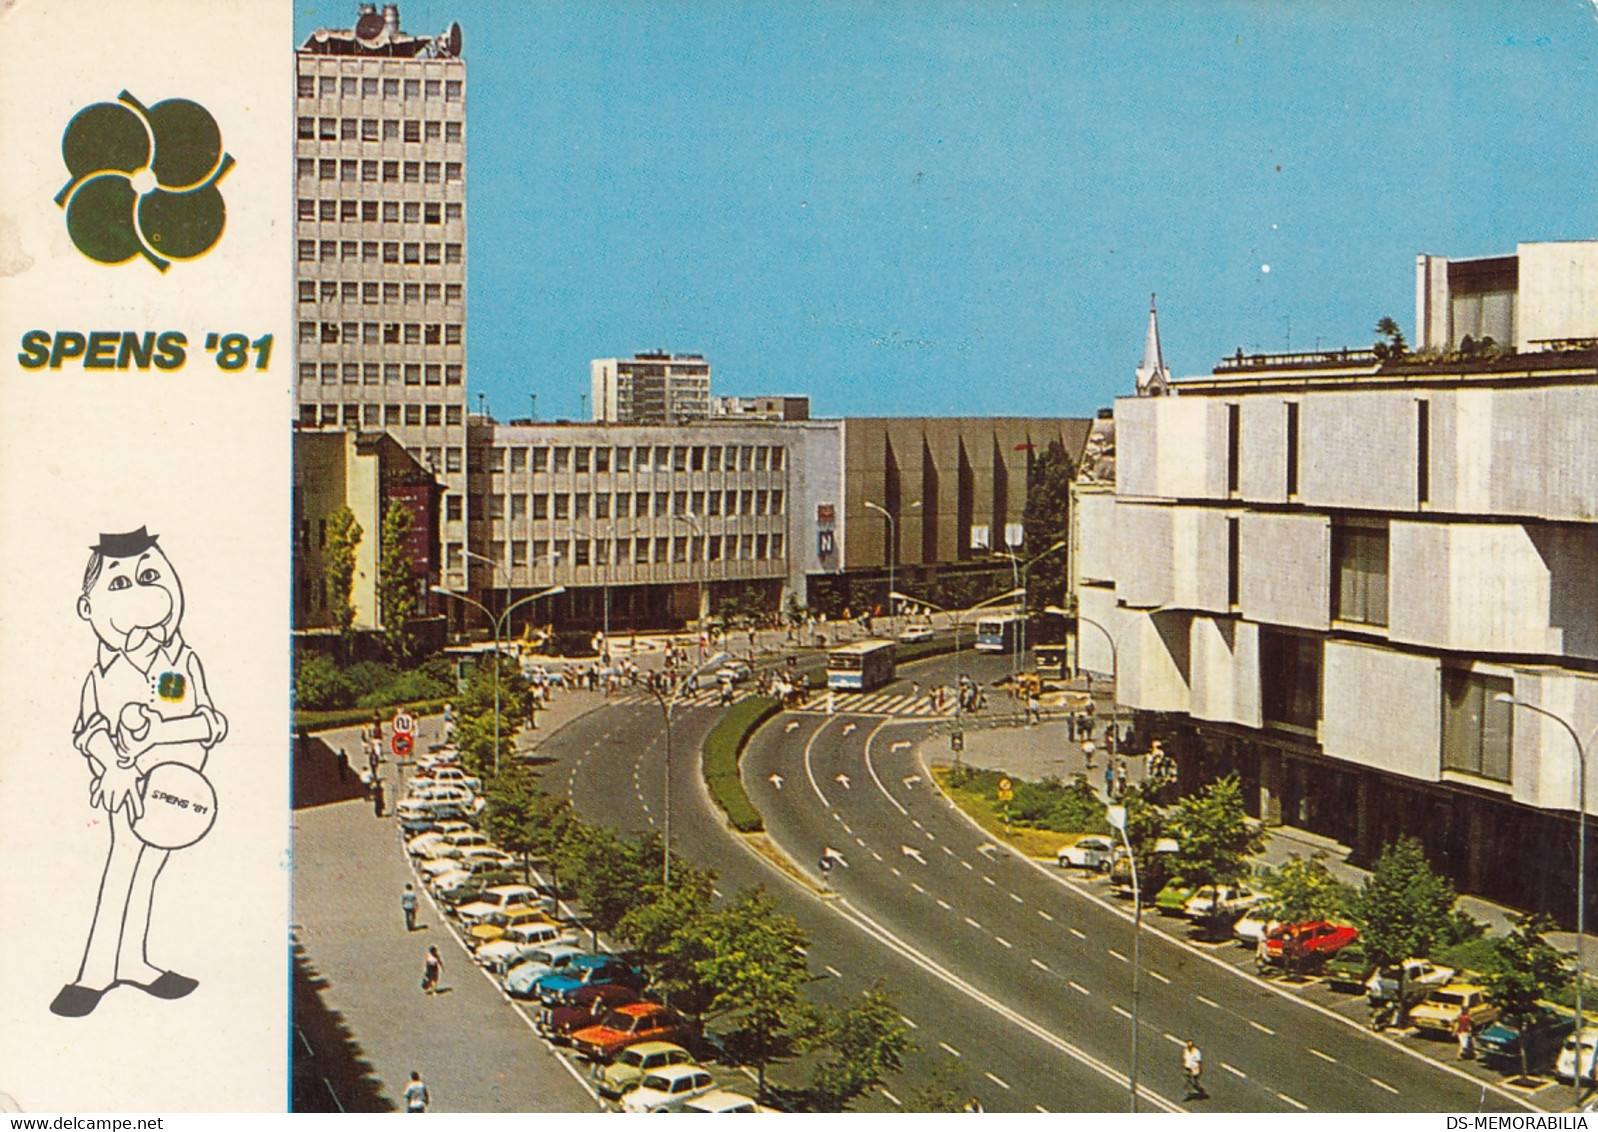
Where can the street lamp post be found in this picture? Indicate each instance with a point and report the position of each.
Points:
(1019, 576)
(958, 616)
(498, 625)
(1116, 816)
(667, 706)
(1581, 860)
(893, 548)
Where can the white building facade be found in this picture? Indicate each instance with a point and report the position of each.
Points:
(1322, 571)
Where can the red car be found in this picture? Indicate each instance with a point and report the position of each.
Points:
(591, 1006)
(628, 1025)
(1308, 944)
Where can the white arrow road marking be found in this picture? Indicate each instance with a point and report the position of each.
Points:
(832, 854)
(794, 726)
(912, 851)
(903, 745)
(776, 780)
(842, 780)
(848, 727)
(987, 848)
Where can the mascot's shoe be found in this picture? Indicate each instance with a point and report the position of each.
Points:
(74, 1001)
(169, 985)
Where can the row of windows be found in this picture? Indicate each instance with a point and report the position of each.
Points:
(368, 129)
(616, 552)
(563, 505)
(368, 373)
(682, 458)
(366, 211)
(332, 291)
(415, 172)
(393, 251)
(351, 86)
(392, 333)
(387, 416)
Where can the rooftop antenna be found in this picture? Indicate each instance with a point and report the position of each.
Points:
(481, 412)
(534, 398)
(585, 406)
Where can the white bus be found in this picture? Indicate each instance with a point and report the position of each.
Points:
(861, 666)
(998, 632)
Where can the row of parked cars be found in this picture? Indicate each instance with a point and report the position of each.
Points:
(593, 1001)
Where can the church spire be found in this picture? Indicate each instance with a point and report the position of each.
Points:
(1153, 379)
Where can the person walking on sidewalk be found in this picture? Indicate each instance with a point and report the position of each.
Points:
(1193, 1071)
(408, 906)
(1467, 1040)
(432, 971)
(416, 1096)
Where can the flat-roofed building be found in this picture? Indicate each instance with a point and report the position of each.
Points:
(651, 389)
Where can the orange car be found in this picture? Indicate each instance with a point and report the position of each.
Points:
(627, 1025)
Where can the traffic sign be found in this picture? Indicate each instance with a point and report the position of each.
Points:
(404, 723)
(1006, 790)
(402, 744)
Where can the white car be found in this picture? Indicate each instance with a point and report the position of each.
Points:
(1420, 977)
(1091, 852)
(1565, 1067)
(453, 844)
(518, 943)
(724, 1100)
(668, 1089)
(1255, 926)
(1221, 902)
(475, 859)
(912, 633)
(445, 776)
(417, 846)
(463, 873)
(735, 672)
(500, 898)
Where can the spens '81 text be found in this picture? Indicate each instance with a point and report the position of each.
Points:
(132, 349)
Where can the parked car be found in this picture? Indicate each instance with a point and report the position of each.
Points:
(442, 793)
(416, 814)
(1221, 902)
(911, 634)
(1420, 978)
(1499, 1045)
(724, 1100)
(1307, 945)
(446, 775)
(1091, 852)
(479, 856)
(1347, 971)
(590, 970)
(632, 1063)
(1254, 926)
(1440, 1012)
(521, 978)
(500, 898)
(668, 1089)
(496, 924)
(629, 1025)
(418, 845)
(1565, 1066)
(1172, 899)
(452, 844)
(501, 954)
(466, 880)
(588, 1007)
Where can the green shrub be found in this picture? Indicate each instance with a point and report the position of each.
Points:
(1051, 804)
(1479, 955)
(719, 759)
(405, 687)
(318, 683)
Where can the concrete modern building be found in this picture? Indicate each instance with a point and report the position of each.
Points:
(380, 177)
(654, 524)
(785, 407)
(657, 389)
(1321, 572)
(367, 472)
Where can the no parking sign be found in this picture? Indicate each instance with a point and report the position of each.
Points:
(402, 744)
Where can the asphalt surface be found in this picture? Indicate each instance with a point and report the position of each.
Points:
(1040, 944)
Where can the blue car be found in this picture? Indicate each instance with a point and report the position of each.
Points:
(1500, 1043)
(558, 987)
(521, 980)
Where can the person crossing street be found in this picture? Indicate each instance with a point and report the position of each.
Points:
(1193, 1071)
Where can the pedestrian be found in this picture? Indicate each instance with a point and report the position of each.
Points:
(973, 1105)
(372, 759)
(915, 689)
(1087, 750)
(343, 765)
(432, 971)
(1109, 779)
(408, 906)
(416, 1098)
(377, 797)
(1193, 1071)
(1463, 1031)
(1034, 709)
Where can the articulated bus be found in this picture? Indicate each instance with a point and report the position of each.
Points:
(861, 666)
(998, 632)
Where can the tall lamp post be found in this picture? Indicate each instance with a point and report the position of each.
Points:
(498, 625)
(1115, 664)
(958, 616)
(1581, 860)
(1116, 816)
(1018, 575)
(667, 706)
(893, 547)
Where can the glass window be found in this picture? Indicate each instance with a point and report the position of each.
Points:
(1359, 573)
(580, 505)
(623, 459)
(776, 461)
(713, 503)
(563, 503)
(1290, 679)
(602, 506)
(602, 459)
(715, 459)
(540, 459)
(563, 458)
(581, 458)
(541, 505)
(1478, 732)
(679, 459)
(760, 459)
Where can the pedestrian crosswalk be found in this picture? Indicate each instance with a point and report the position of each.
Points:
(843, 703)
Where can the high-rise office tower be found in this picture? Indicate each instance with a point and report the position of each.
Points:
(658, 388)
(380, 178)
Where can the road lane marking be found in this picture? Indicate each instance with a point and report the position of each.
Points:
(870, 766)
(967, 864)
(860, 841)
(999, 1081)
(945, 848)
(810, 772)
(1234, 1070)
(877, 855)
(891, 1097)
(1384, 1085)
(836, 818)
(1208, 1001)
(1160, 977)
(906, 1020)
(951, 1049)
(1016, 898)
(1000, 940)
(1073, 931)
(1173, 1038)
(973, 923)
(1121, 1012)
(1045, 915)
(1322, 1056)
(801, 950)
(1117, 954)
(917, 824)
(990, 880)
(1040, 964)
(846, 828)
(1262, 1028)
(918, 888)
(833, 971)
(896, 872)
(1080, 989)
(1296, 1104)
(944, 904)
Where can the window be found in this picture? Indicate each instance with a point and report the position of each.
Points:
(413, 253)
(329, 373)
(776, 500)
(413, 374)
(713, 503)
(369, 293)
(369, 129)
(452, 210)
(413, 172)
(348, 170)
(452, 375)
(452, 171)
(541, 551)
(760, 546)
(540, 459)
(563, 458)
(413, 416)
(1234, 417)
(518, 460)
(327, 129)
(432, 335)
(391, 413)
(541, 506)
(307, 86)
(452, 253)
(430, 172)
(1292, 449)
(307, 291)
(390, 173)
(776, 546)
(624, 459)
(350, 86)
(307, 250)
(371, 374)
(601, 455)
(715, 459)
(760, 503)
(1233, 564)
(602, 506)
(748, 458)
(562, 505)
(696, 503)
(452, 292)
(368, 173)
(431, 213)
(679, 459)
(432, 371)
(715, 548)
(413, 130)
(760, 461)
(662, 547)
(306, 167)
(430, 292)
(661, 499)
(1423, 452)
(432, 90)
(518, 505)
(581, 458)
(496, 506)
(435, 415)
(1290, 679)
(1478, 731)
(452, 415)
(369, 251)
(641, 505)
(307, 332)
(413, 293)
(662, 458)
(1359, 573)
(391, 88)
(452, 92)
(641, 553)
(347, 128)
(413, 333)
(580, 552)
(307, 129)
(452, 459)
(368, 88)
(496, 459)
(518, 554)
(776, 466)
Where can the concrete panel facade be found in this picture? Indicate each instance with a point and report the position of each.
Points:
(1097, 522)
(1155, 654)
(1543, 764)
(1224, 671)
(1262, 449)
(1380, 709)
(1357, 450)
(1472, 587)
(1558, 292)
(1285, 569)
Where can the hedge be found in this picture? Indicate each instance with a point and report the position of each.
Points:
(352, 717)
(719, 759)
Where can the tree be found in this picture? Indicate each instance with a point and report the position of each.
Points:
(611, 874)
(338, 566)
(753, 957)
(1531, 970)
(1395, 347)
(665, 929)
(942, 1090)
(864, 1044)
(397, 584)
(1304, 891)
(1402, 908)
(1145, 826)
(1213, 834)
(1047, 520)
(523, 820)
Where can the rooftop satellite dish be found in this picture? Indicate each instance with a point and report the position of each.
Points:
(369, 27)
(452, 41)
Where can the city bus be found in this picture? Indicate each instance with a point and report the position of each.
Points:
(861, 666)
(1049, 660)
(999, 632)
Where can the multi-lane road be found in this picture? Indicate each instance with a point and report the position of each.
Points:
(1005, 969)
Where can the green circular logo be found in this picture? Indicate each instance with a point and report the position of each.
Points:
(144, 180)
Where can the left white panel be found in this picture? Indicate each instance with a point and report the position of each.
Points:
(153, 392)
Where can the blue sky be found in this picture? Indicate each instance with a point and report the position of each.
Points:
(925, 207)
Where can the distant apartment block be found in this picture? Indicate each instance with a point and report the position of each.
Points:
(782, 408)
(651, 389)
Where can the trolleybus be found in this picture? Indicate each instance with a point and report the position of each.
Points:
(998, 632)
(861, 666)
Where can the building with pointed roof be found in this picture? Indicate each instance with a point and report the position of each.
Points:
(1153, 379)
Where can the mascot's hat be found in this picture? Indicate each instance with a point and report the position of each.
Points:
(125, 545)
